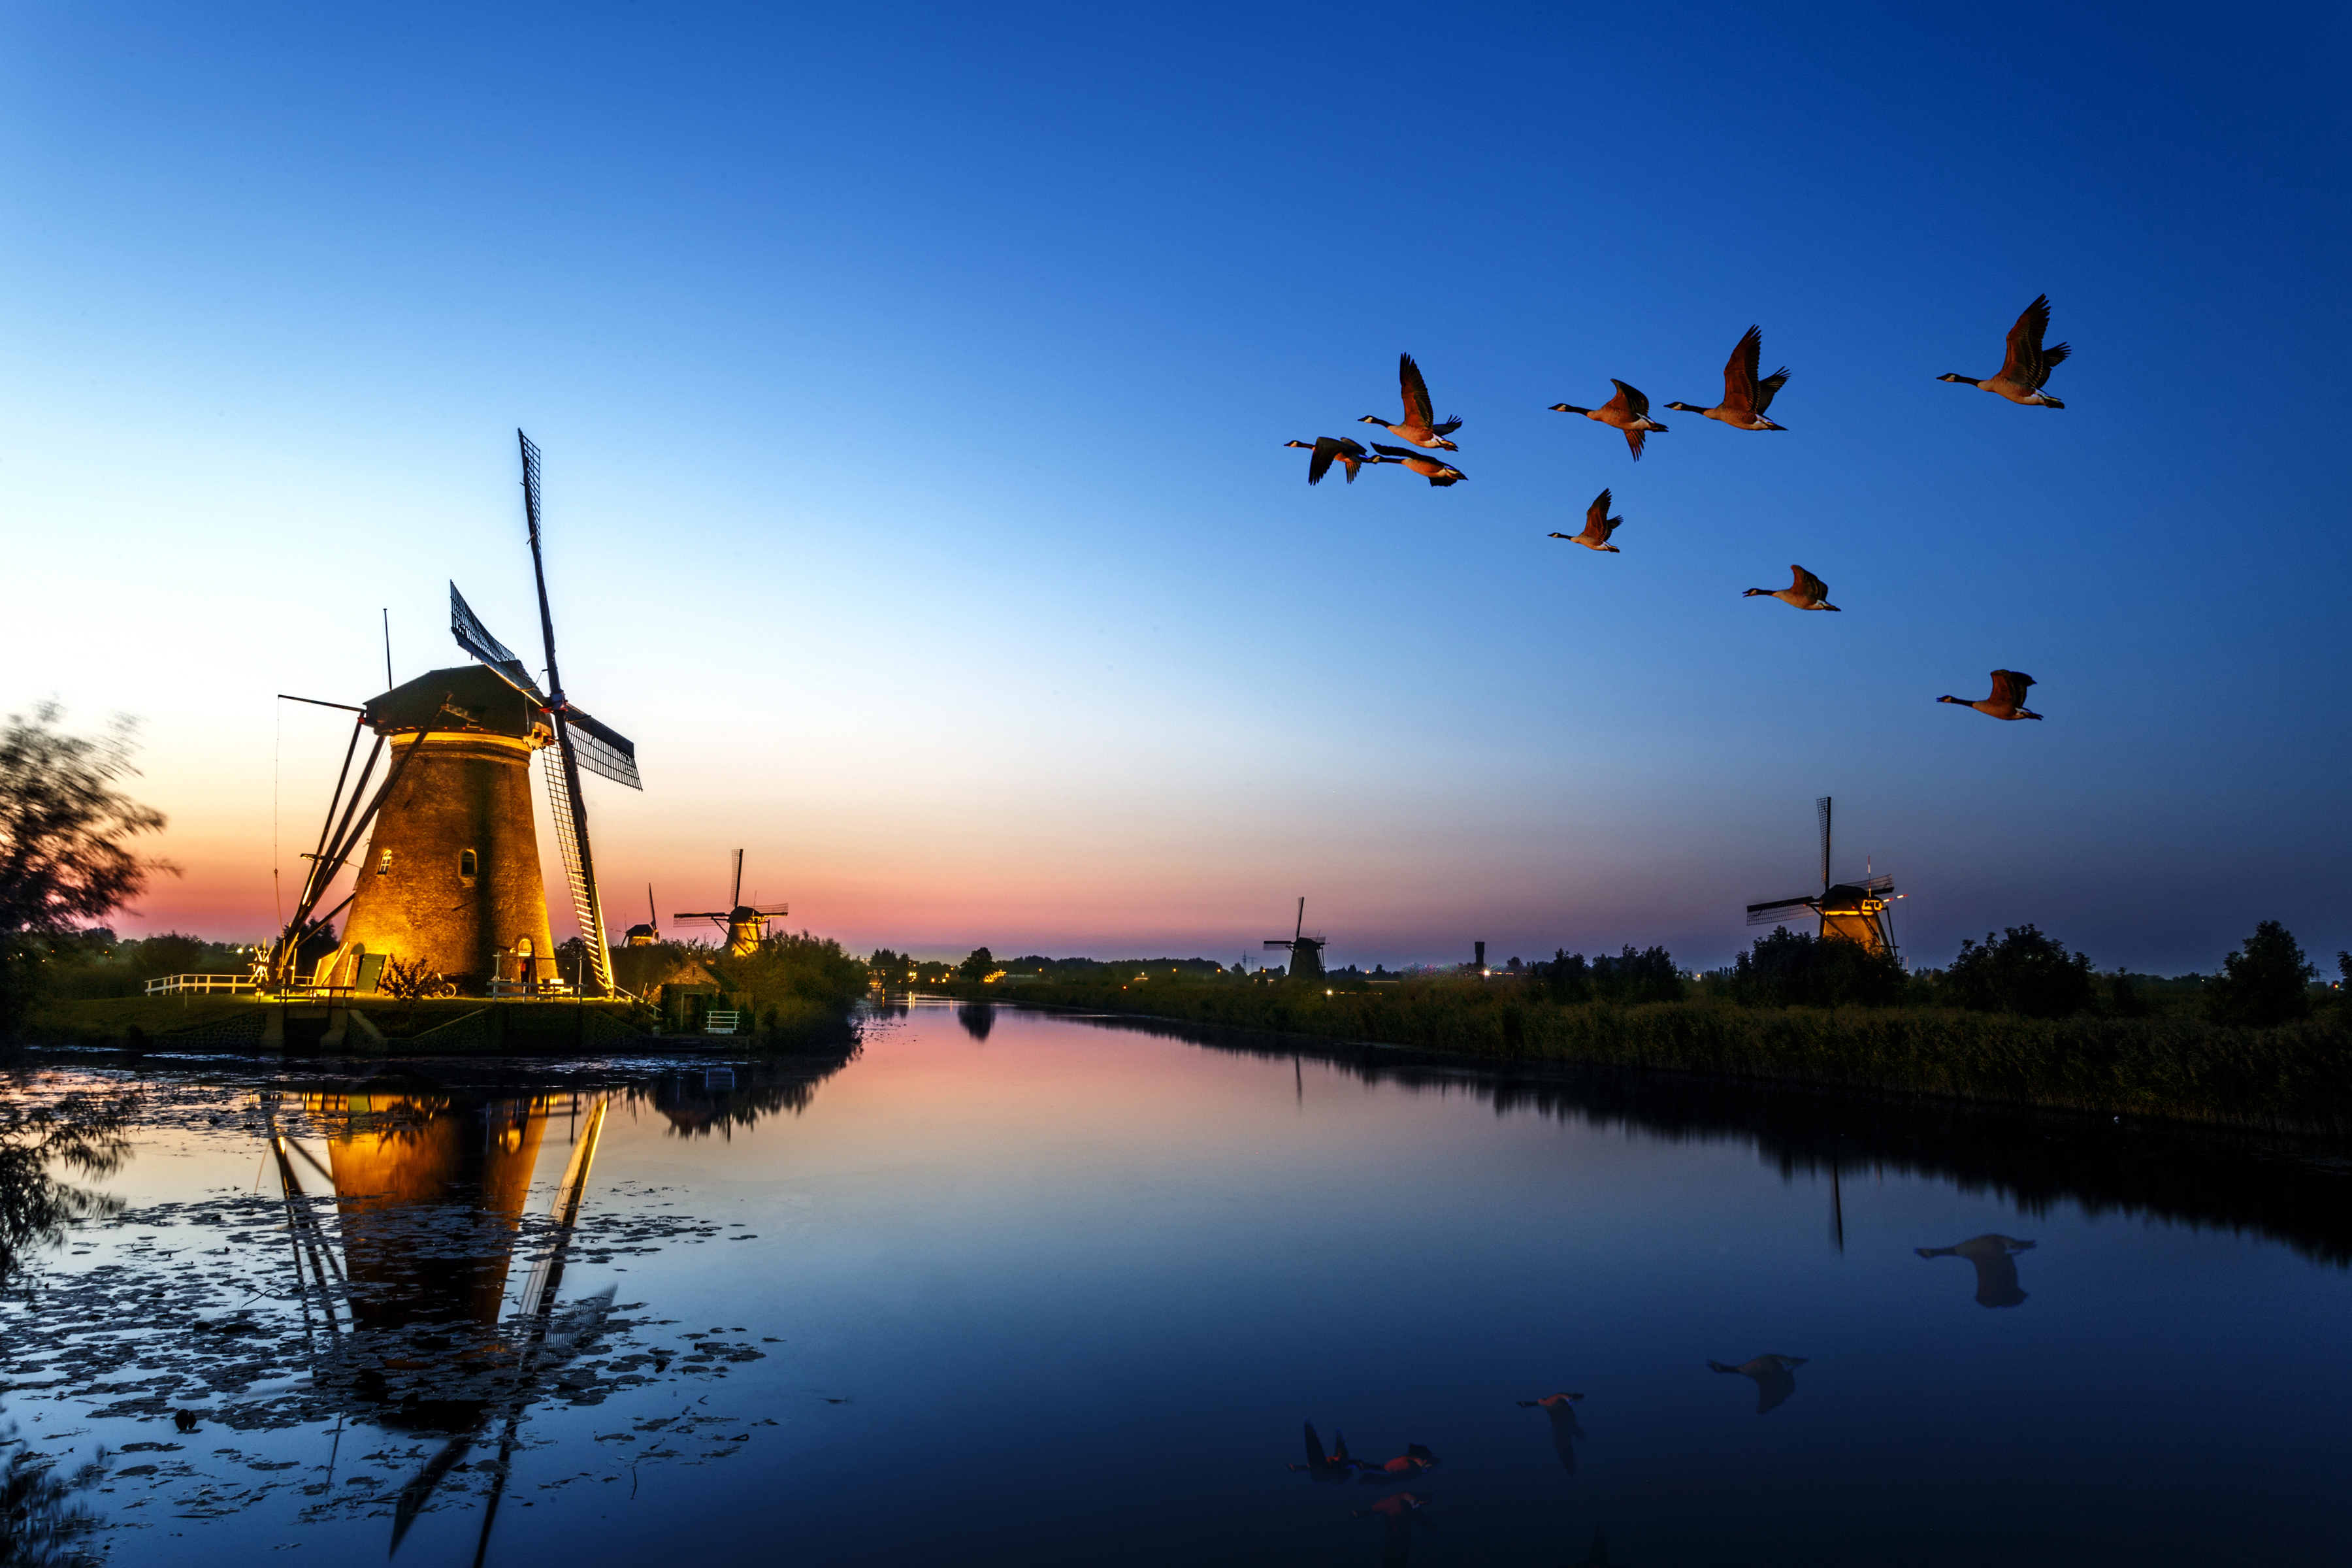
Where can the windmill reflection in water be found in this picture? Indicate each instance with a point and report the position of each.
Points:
(431, 1188)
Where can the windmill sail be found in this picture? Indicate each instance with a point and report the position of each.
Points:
(475, 638)
(566, 806)
(602, 749)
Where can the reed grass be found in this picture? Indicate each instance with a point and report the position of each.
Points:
(2294, 1078)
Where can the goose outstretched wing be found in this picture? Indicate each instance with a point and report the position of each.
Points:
(1319, 464)
(1739, 372)
(1598, 524)
(1417, 393)
(2025, 360)
(1813, 587)
(1632, 400)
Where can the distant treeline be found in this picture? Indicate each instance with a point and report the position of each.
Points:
(2016, 1018)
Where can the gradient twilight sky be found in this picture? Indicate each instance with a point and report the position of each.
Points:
(913, 384)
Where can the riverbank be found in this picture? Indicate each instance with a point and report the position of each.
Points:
(440, 1027)
(2294, 1078)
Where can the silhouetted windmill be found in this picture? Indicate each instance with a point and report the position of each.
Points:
(1306, 951)
(1854, 912)
(747, 924)
(647, 934)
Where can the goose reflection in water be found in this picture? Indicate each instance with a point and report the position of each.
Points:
(1775, 1378)
(1326, 1469)
(1414, 1462)
(1994, 1256)
(431, 1186)
(1400, 1514)
(1565, 1433)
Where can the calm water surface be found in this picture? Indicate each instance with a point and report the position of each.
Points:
(1008, 1287)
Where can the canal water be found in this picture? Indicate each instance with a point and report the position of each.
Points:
(1002, 1287)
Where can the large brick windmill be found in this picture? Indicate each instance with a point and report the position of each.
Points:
(451, 881)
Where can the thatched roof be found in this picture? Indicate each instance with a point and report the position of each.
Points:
(489, 704)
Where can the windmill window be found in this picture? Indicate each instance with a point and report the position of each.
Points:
(467, 867)
(523, 947)
(383, 867)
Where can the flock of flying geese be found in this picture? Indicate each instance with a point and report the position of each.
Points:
(1747, 394)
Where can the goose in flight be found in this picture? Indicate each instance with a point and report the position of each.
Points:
(2028, 365)
(1598, 526)
(1400, 1516)
(1775, 1377)
(1436, 470)
(1629, 411)
(1329, 449)
(1806, 593)
(1995, 1265)
(1419, 426)
(1746, 394)
(2008, 698)
(1565, 1431)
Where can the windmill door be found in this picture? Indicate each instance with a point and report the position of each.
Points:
(370, 973)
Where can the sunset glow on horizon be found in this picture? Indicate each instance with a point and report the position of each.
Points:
(913, 390)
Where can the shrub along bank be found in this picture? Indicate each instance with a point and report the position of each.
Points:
(2294, 1077)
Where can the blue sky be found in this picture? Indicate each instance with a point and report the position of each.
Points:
(913, 386)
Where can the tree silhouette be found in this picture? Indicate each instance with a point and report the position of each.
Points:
(2265, 983)
(65, 832)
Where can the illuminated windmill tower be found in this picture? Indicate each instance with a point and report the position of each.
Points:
(1306, 951)
(1852, 911)
(450, 881)
(747, 924)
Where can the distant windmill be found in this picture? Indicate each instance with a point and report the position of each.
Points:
(450, 882)
(1306, 951)
(747, 924)
(1854, 912)
(647, 934)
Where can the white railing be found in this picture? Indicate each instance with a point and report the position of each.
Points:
(170, 983)
(532, 988)
(717, 1022)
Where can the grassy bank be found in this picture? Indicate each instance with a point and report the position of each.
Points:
(794, 993)
(455, 1026)
(2294, 1078)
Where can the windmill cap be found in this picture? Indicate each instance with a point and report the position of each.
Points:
(488, 703)
(742, 912)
